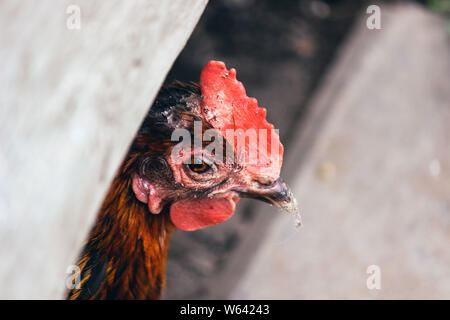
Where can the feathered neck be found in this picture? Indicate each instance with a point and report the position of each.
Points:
(125, 256)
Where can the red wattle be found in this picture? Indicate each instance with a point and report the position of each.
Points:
(190, 215)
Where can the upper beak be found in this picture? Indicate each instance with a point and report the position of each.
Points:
(278, 193)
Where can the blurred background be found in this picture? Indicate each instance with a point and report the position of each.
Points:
(365, 119)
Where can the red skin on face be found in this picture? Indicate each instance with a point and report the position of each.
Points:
(187, 214)
(226, 106)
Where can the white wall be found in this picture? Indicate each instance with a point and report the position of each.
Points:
(70, 103)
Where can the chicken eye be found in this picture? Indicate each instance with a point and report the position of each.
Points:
(199, 167)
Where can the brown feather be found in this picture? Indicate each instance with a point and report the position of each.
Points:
(126, 252)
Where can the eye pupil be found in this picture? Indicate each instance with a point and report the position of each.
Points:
(199, 167)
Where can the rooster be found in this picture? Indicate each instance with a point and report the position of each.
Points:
(161, 187)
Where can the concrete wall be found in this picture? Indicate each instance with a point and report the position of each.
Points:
(70, 103)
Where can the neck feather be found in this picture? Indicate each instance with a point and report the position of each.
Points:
(125, 256)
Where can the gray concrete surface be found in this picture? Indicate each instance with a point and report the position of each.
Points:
(372, 174)
(70, 103)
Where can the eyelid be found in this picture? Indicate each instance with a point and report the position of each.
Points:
(208, 161)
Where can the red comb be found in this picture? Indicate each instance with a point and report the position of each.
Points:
(226, 106)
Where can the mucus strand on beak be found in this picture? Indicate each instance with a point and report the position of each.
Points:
(278, 194)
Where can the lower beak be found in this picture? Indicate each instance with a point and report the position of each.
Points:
(277, 194)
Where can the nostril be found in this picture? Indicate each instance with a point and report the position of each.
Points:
(264, 181)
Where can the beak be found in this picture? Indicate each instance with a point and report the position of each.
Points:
(278, 194)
